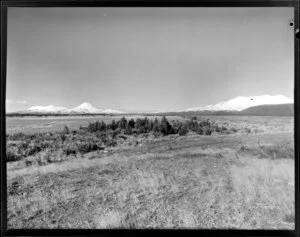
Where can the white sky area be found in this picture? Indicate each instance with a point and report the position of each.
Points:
(147, 59)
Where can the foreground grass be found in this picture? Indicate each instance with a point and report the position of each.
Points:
(266, 188)
(179, 182)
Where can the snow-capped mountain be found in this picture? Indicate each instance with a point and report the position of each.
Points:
(84, 108)
(46, 109)
(240, 103)
(236, 104)
(111, 111)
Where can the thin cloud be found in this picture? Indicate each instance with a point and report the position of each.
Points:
(16, 101)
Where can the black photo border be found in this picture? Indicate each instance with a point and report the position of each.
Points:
(144, 3)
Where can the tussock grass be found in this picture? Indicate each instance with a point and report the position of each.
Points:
(174, 189)
(192, 181)
(266, 187)
(273, 151)
(256, 124)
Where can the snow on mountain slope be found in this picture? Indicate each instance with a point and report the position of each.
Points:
(237, 104)
(112, 111)
(84, 108)
(242, 102)
(46, 109)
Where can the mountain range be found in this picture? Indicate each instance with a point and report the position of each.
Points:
(240, 105)
(84, 108)
(242, 102)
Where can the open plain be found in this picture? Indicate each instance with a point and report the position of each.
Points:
(240, 180)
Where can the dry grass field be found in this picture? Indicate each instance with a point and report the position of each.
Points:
(234, 181)
(258, 124)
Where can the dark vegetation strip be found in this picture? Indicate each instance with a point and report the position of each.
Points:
(51, 146)
(100, 135)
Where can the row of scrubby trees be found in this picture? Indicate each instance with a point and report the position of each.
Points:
(98, 135)
(156, 126)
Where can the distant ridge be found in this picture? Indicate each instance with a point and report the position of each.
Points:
(261, 110)
(270, 110)
(265, 105)
(242, 102)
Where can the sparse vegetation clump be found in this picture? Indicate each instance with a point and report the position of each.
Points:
(159, 127)
(12, 154)
(183, 130)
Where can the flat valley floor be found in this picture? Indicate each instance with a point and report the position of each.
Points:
(234, 181)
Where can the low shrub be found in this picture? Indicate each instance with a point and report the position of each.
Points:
(110, 142)
(128, 130)
(22, 145)
(183, 131)
(63, 137)
(33, 149)
(17, 136)
(43, 158)
(207, 130)
(66, 130)
(115, 133)
(12, 155)
(224, 130)
(86, 147)
(217, 129)
(70, 149)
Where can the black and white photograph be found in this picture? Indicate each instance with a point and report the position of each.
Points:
(150, 118)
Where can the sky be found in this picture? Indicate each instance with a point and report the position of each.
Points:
(147, 59)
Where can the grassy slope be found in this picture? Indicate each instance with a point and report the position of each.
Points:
(175, 182)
